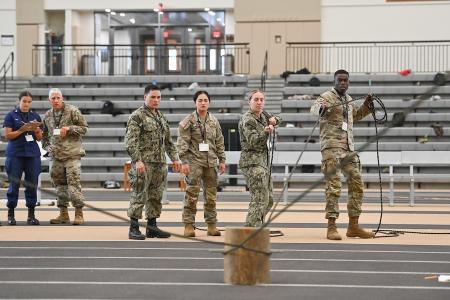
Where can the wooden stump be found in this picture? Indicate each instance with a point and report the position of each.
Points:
(243, 266)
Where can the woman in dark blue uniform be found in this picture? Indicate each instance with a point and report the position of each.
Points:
(22, 130)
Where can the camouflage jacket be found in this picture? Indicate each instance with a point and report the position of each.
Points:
(71, 145)
(192, 132)
(147, 137)
(254, 150)
(332, 134)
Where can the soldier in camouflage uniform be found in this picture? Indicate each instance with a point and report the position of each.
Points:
(337, 147)
(254, 129)
(64, 128)
(200, 146)
(147, 140)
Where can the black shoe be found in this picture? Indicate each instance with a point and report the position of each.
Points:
(134, 233)
(11, 219)
(153, 231)
(31, 220)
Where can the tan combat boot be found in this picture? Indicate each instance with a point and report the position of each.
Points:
(212, 230)
(189, 230)
(354, 230)
(62, 218)
(78, 216)
(332, 233)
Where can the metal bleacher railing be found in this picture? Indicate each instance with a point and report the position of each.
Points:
(141, 59)
(369, 57)
(7, 66)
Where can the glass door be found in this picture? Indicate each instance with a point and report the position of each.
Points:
(184, 51)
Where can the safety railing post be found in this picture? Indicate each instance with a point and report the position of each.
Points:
(391, 185)
(411, 189)
(285, 185)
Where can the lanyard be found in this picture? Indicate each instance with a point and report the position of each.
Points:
(24, 117)
(202, 125)
(344, 109)
(59, 119)
(344, 103)
(260, 120)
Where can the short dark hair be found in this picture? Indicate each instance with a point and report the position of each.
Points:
(25, 93)
(198, 93)
(341, 71)
(151, 87)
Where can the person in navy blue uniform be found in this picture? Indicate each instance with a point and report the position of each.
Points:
(22, 130)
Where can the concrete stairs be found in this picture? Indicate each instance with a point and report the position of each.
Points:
(274, 92)
(8, 98)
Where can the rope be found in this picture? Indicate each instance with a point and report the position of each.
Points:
(273, 215)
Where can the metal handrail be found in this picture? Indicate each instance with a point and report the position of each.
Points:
(141, 59)
(370, 42)
(139, 45)
(369, 56)
(7, 65)
(264, 73)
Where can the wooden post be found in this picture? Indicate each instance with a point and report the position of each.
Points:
(243, 266)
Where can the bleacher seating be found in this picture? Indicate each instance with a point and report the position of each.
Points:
(104, 141)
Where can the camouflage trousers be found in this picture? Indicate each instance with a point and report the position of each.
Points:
(147, 190)
(331, 160)
(66, 177)
(261, 194)
(198, 175)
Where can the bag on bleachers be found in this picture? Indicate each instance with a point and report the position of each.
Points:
(398, 119)
(303, 71)
(314, 81)
(286, 74)
(108, 109)
(307, 168)
(438, 129)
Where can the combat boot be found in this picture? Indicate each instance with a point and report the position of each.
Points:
(78, 216)
(354, 230)
(189, 230)
(153, 230)
(11, 219)
(332, 233)
(31, 220)
(212, 230)
(63, 216)
(134, 233)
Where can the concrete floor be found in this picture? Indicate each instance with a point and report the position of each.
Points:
(97, 261)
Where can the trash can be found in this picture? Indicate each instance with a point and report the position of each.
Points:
(87, 65)
(228, 64)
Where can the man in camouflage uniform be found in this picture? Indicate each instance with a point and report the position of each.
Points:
(255, 126)
(200, 146)
(336, 144)
(147, 140)
(64, 128)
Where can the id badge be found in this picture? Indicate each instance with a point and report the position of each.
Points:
(56, 131)
(202, 147)
(29, 138)
(344, 126)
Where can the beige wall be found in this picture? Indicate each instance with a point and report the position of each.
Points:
(29, 14)
(291, 20)
(27, 35)
(83, 27)
(8, 27)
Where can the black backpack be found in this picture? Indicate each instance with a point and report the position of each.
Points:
(108, 108)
